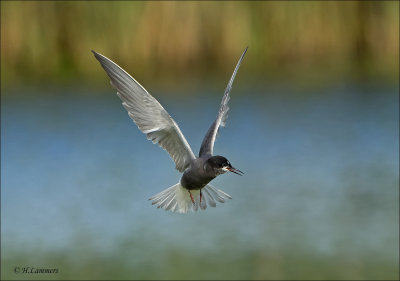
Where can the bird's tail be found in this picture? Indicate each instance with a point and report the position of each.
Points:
(177, 198)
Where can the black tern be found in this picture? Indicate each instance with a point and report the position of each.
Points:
(153, 120)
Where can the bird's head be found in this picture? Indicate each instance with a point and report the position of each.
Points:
(220, 165)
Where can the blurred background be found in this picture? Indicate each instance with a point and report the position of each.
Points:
(314, 124)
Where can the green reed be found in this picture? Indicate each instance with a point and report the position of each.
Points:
(51, 41)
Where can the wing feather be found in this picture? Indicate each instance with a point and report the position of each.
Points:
(209, 139)
(148, 114)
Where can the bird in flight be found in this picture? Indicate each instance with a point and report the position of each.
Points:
(193, 190)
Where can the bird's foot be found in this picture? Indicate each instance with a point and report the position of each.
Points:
(191, 197)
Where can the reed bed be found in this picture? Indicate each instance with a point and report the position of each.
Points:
(51, 41)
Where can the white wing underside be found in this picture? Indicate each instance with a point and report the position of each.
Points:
(148, 114)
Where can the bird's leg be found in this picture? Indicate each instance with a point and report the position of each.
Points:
(191, 197)
(201, 196)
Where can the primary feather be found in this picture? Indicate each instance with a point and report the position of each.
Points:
(207, 145)
(148, 114)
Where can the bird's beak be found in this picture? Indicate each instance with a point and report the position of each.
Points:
(234, 170)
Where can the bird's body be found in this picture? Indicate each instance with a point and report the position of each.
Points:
(153, 120)
(196, 176)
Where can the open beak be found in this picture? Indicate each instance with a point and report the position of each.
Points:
(234, 170)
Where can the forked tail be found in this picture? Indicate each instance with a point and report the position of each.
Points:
(177, 198)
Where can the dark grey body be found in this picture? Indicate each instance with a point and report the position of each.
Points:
(204, 169)
(198, 175)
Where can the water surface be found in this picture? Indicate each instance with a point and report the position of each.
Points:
(319, 198)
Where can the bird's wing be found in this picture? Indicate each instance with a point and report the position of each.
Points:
(148, 114)
(209, 139)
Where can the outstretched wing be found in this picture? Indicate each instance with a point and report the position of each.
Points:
(208, 141)
(148, 114)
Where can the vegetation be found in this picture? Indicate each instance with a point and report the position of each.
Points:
(51, 40)
(184, 264)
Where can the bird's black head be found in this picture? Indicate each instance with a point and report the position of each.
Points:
(220, 165)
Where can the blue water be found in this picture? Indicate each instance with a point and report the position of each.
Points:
(321, 174)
